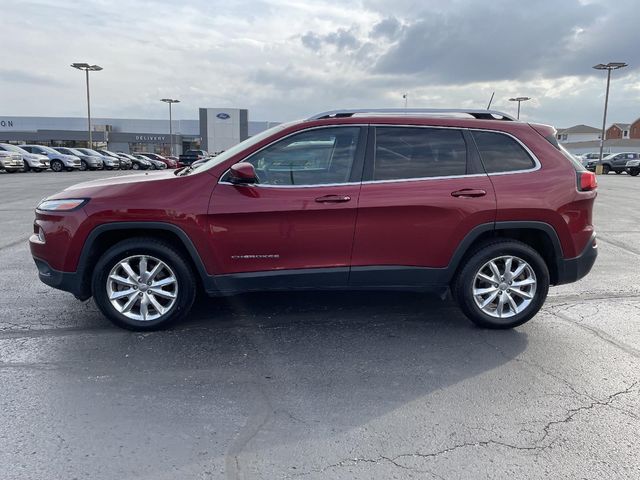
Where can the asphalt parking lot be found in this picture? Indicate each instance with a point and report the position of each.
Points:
(321, 385)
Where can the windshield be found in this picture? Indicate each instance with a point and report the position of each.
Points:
(48, 149)
(88, 151)
(109, 154)
(13, 148)
(227, 154)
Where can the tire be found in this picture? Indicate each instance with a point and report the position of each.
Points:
(25, 167)
(135, 166)
(37, 170)
(177, 267)
(618, 172)
(83, 166)
(606, 169)
(634, 172)
(478, 261)
(57, 166)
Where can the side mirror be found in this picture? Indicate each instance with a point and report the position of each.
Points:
(243, 173)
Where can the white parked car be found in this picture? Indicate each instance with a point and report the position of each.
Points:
(32, 161)
(58, 161)
(11, 162)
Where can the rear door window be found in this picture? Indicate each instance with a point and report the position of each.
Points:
(413, 152)
(501, 153)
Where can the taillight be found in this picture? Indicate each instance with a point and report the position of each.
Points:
(587, 181)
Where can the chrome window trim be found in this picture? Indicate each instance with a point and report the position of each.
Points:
(533, 156)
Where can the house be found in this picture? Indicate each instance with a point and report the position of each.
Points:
(634, 129)
(617, 131)
(579, 133)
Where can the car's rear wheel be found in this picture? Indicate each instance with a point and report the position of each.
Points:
(618, 172)
(606, 169)
(25, 167)
(502, 284)
(143, 284)
(57, 165)
(634, 172)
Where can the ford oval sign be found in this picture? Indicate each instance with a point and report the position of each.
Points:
(223, 116)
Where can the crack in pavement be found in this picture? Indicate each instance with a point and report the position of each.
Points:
(601, 334)
(538, 446)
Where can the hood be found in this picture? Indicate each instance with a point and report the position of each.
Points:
(114, 183)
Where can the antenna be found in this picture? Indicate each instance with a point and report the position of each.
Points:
(490, 100)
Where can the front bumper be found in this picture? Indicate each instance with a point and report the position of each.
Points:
(573, 269)
(68, 281)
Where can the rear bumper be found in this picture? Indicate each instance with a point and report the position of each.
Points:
(573, 269)
(68, 281)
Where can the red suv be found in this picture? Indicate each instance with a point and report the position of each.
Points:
(474, 202)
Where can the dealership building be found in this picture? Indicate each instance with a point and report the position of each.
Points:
(216, 129)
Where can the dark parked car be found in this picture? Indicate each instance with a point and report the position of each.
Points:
(168, 162)
(347, 199)
(137, 163)
(155, 164)
(615, 162)
(87, 162)
(190, 156)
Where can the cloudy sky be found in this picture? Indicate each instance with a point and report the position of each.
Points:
(285, 59)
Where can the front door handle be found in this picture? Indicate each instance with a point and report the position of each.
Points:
(333, 199)
(469, 193)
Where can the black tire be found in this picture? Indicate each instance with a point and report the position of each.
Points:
(606, 169)
(83, 166)
(463, 284)
(618, 172)
(634, 172)
(25, 167)
(57, 166)
(37, 170)
(135, 166)
(164, 251)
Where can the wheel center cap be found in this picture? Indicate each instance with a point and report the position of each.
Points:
(503, 286)
(143, 287)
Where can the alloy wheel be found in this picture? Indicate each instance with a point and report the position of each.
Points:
(142, 287)
(504, 286)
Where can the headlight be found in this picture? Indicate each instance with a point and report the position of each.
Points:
(65, 205)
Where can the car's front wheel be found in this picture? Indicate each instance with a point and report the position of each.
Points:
(502, 284)
(143, 284)
(84, 166)
(634, 172)
(57, 165)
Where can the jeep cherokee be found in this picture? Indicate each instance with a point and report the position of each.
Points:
(473, 202)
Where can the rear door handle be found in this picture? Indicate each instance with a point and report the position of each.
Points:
(333, 199)
(469, 193)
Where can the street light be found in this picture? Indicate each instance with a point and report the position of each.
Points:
(170, 101)
(406, 99)
(519, 99)
(88, 68)
(608, 67)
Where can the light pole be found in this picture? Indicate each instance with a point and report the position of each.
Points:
(519, 100)
(608, 67)
(88, 68)
(406, 99)
(170, 101)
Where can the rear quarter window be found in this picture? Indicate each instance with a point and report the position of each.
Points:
(501, 153)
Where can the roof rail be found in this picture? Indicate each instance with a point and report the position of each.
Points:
(478, 114)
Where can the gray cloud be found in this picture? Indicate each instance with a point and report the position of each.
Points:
(26, 77)
(389, 27)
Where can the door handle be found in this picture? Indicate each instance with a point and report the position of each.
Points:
(469, 193)
(333, 199)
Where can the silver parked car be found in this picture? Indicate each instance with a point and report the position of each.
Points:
(125, 163)
(110, 163)
(59, 161)
(136, 163)
(155, 164)
(87, 162)
(11, 162)
(32, 161)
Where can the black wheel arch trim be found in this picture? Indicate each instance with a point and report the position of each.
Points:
(407, 276)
